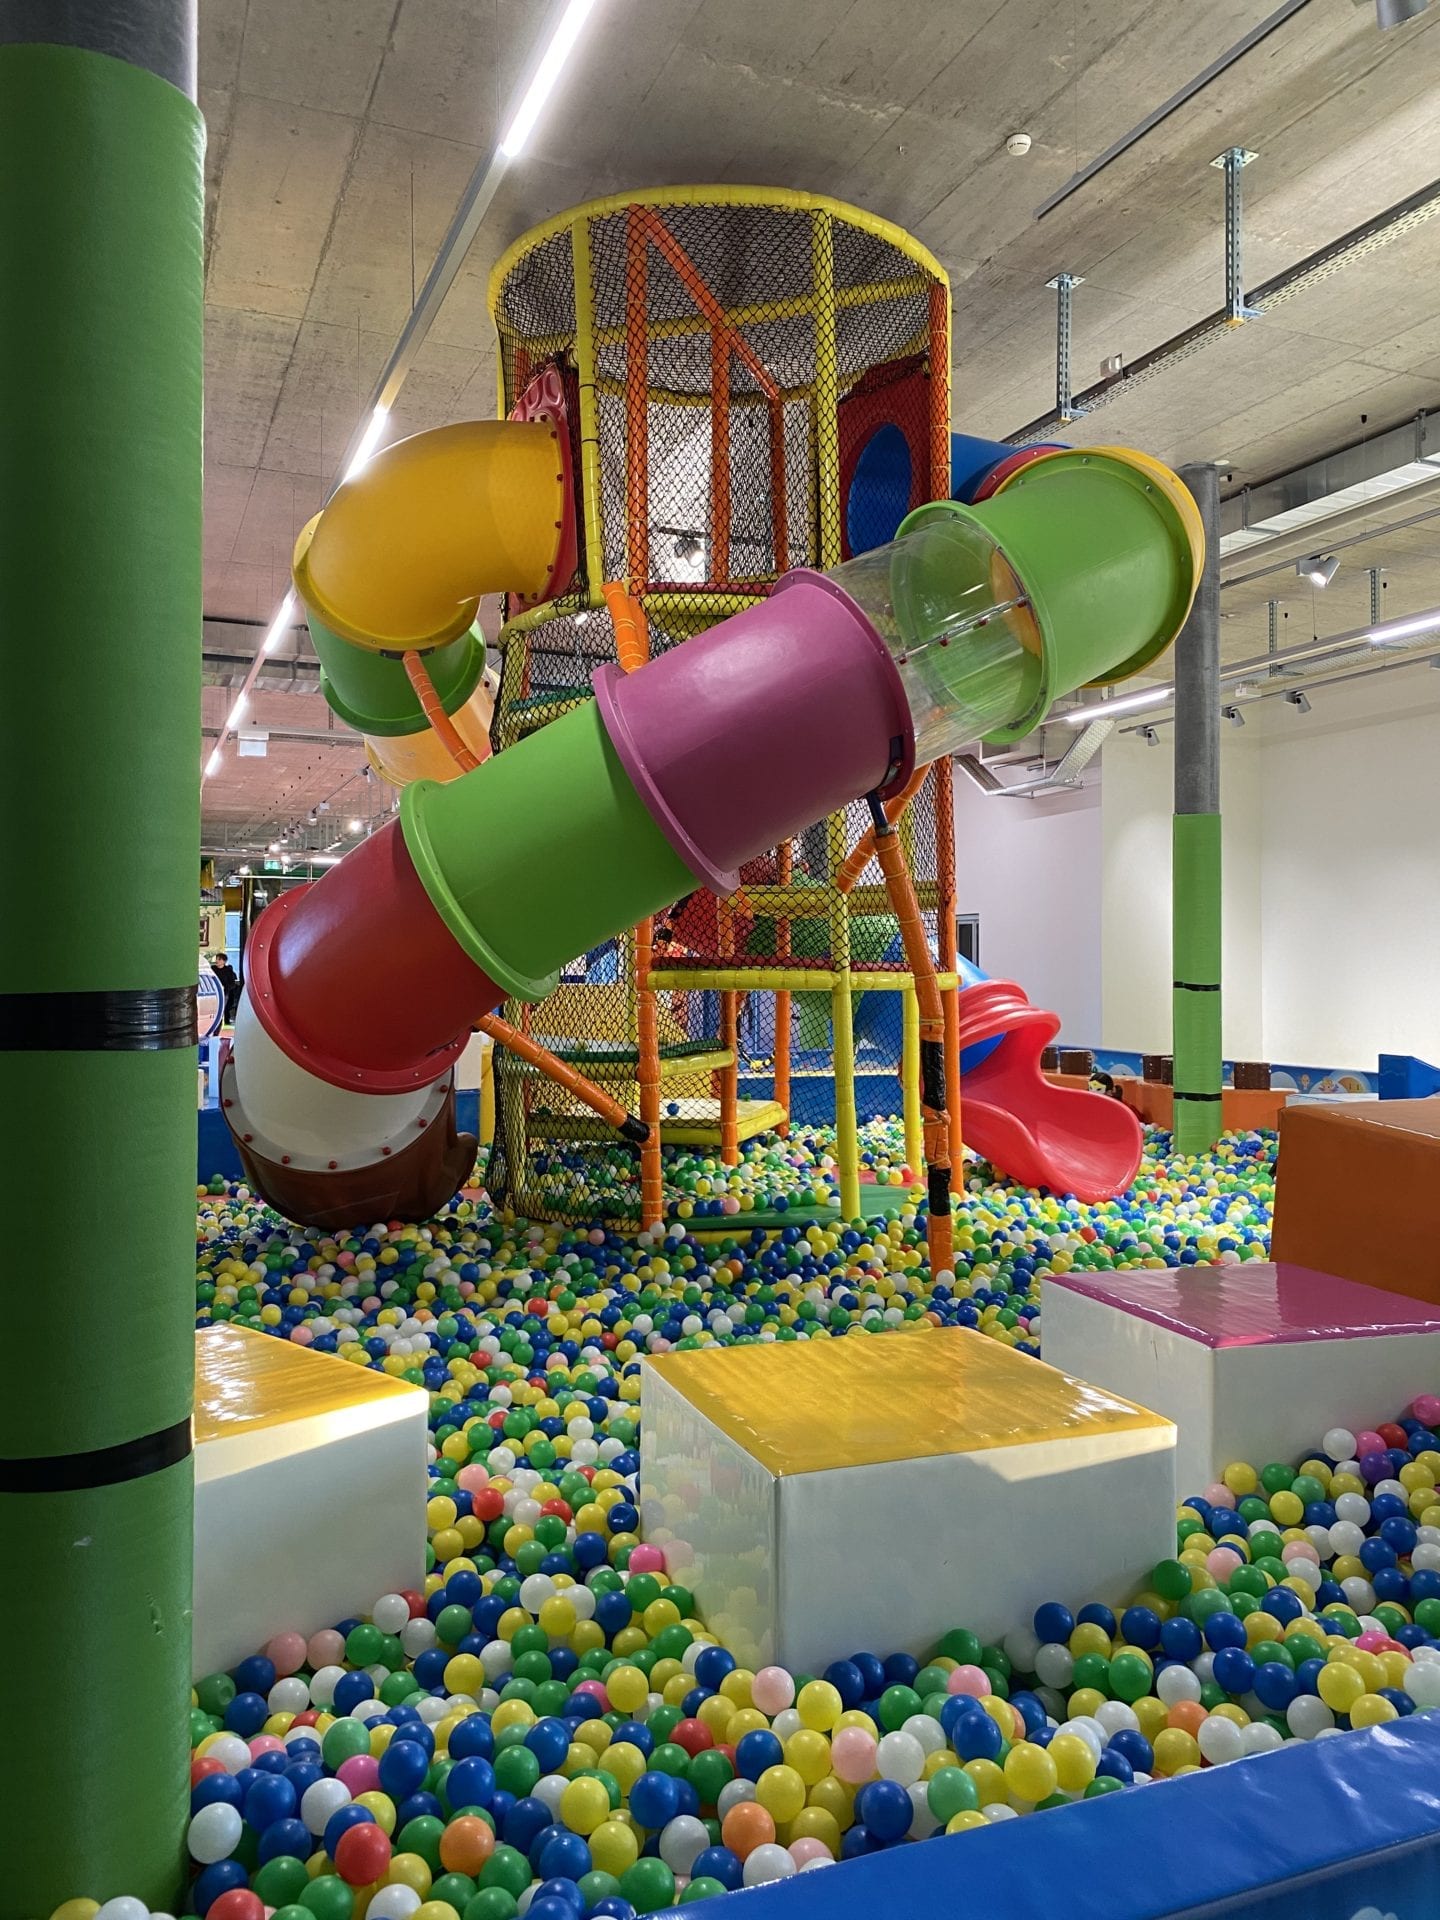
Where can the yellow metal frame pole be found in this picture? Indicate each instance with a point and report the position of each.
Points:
(827, 387)
(910, 1079)
(591, 527)
(842, 1021)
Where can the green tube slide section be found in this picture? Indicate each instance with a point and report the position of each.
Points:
(100, 463)
(1090, 552)
(371, 691)
(1195, 887)
(540, 853)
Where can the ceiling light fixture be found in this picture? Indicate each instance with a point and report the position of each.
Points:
(1297, 700)
(1150, 736)
(552, 64)
(1233, 715)
(369, 441)
(212, 765)
(1394, 13)
(353, 826)
(1318, 568)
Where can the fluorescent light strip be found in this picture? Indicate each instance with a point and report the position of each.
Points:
(1402, 629)
(552, 65)
(281, 624)
(369, 441)
(1122, 703)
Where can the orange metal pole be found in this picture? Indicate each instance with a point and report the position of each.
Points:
(945, 869)
(596, 1098)
(939, 393)
(906, 908)
(785, 867)
(863, 852)
(719, 458)
(632, 649)
(637, 384)
(441, 724)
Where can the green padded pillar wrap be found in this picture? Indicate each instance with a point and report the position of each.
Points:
(1195, 888)
(100, 358)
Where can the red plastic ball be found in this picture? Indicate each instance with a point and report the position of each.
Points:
(238, 1904)
(362, 1854)
(487, 1505)
(415, 1601)
(1393, 1436)
(202, 1769)
(694, 1736)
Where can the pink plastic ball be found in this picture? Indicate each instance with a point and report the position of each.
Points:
(361, 1774)
(809, 1849)
(301, 1335)
(287, 1652)
(472, 1479)
(265, 1743)
(1219, 1495)
(646, 1560)
(344, 1259)
(772, 1690)
(1222, 1562)
(1368, 1443)
(1426, 1409)
(971, 1680)
(1372, 1641)
(852, 1755)
(372, 1303)
(1294, 1550)
(325, 1648)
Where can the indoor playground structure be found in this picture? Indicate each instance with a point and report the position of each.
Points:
(602, 1529)
(746, 627)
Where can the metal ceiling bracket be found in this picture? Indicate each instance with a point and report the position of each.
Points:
(1064, 285)
(1232, 163)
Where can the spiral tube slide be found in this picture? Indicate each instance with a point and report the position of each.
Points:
(363, 986)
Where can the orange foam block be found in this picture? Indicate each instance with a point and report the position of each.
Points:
(1358, 1193)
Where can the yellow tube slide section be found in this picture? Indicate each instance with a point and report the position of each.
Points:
(401, 758)
(402, 553)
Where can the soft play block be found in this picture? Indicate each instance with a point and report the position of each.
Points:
(309, 1490)
(822, 1495)
(1251, 1362)
(1358, 1193)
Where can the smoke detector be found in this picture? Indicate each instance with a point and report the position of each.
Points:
(1017, 143)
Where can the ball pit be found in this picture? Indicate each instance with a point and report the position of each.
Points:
(546, 1727)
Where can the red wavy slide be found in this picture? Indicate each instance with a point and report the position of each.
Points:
(1063, 1138)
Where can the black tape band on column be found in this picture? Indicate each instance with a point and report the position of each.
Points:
(106, 1020)
(101, 1467)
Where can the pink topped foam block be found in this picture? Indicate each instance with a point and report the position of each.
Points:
(1251, 1362)
(1254, 1304)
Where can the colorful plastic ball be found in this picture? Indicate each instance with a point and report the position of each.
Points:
(214, 1832)
(852, 1755)
(747, 1825)
(362, 1854)
(769, 1862)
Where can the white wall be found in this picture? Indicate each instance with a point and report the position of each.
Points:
(1031, 870)
(1351, 874)
(1137, 796)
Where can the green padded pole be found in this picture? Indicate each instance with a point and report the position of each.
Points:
(1195, 869)
(100, 355)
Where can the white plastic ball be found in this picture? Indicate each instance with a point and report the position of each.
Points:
(998, 1811)
(393, 1903)
(320, 1800)
(820, 1860)
(1220, 1740)
(323, 1684)
(539, 1587)
(733, 1794)
(1021, 1646)
(1260, 1737)
(290, 1695)
(214, 1833)
(1307, 1715)
(928, 1732)
(1422, 1683)
(390, 1612)
(786, 1722)
(550, 1788)
(682, 1841)
(1358, 1593)
(418, 1636)
(1175, 1684)
(1353, 1507)
(1338, 1443)
(124, 1906)
(900, 1756)
(766, 1863)
(1090, 1731)
(922, 1821)
(1115, 1717)
(1054, 1665)
(231, 1751)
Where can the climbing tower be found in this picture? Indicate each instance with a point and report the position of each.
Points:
(745, 381)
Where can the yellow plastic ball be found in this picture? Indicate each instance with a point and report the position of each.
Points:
(814, 1823)
(966, 1822)
(464, 1673)
(1174, 1749)
(781, 1792)
(1074, 1760)
(585, 1805)
(613, 1847)
(628, 1689)
(408, 1870)
(1339, 1685)
(1030, 1773)
(1370, 1710)
(808, 1754)
(819, 1706)
(989, 1781)
(831, 1795)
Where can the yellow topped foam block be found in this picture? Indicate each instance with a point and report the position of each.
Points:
(788, 1484)
(309, 1490)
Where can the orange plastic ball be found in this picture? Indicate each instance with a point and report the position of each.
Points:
(1188, 1715)
(746, 1827)
(466, 1844)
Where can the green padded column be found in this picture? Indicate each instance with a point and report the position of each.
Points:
(100, 359)
(372, 692)
(540, 853)
(1195, 883)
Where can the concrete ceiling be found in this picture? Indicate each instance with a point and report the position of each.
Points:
(342, 132)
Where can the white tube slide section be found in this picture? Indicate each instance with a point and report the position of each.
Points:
(289, 1115)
